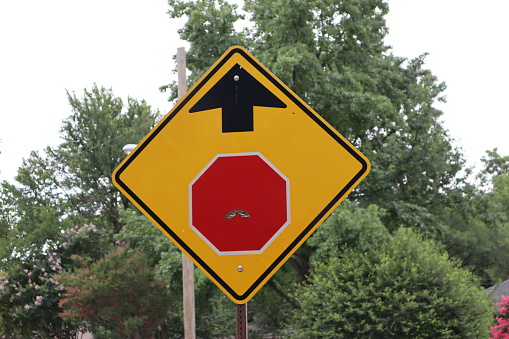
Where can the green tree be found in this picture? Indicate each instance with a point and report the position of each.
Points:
(480, 246)
(494, 163)
(120, 293)
(495, 178)
(477, 221)
(31, 211)
(93, 137)
(332, 54)
(71, 184)
(408, 288)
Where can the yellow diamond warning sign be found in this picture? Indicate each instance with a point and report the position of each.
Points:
(240, 173)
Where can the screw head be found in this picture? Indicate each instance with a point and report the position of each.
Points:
(240, 268)
(236, 78)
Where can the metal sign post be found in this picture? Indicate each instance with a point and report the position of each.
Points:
(242, 321)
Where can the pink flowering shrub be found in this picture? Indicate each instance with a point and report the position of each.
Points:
(501, 330)
(30, 291)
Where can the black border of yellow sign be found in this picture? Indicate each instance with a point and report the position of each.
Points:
(365, 166)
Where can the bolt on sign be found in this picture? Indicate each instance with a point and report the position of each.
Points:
(240, 173)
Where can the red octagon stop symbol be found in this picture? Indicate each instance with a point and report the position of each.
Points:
(239, 203)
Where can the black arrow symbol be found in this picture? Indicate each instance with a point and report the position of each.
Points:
(237, 93)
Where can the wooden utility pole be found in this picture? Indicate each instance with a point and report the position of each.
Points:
(187, 264)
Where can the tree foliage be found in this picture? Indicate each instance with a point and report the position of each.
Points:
(93, 137)
(494, 163)
(71, 184)
(477, 222)
(406, 289)
(332, 54)
(32, 210)
(349, 226)
(118, 292)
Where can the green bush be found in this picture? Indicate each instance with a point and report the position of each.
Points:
(407, 289)
(348, 226)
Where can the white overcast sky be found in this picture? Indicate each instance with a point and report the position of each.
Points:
(49, 46)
